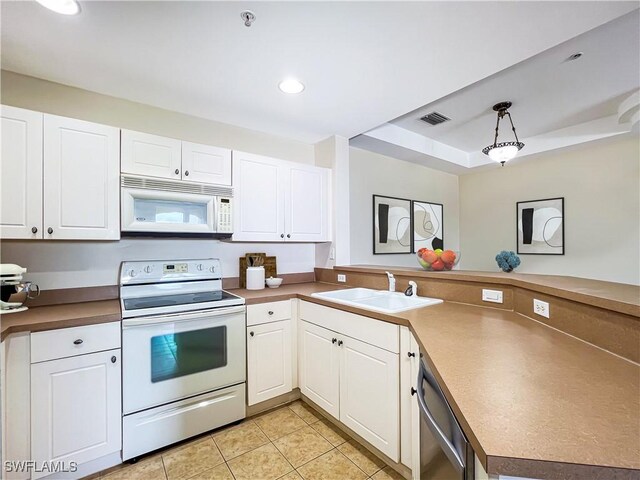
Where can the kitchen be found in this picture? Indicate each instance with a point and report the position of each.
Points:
(135, 188)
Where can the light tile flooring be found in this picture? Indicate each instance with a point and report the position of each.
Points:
(291, 442)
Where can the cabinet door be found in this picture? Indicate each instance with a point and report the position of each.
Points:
(21, 174)
(319, 371)
(306, 204)
(259, 198)
(369, 394)
(151, 155)
(81, 180)
(206, 164)
(75, 408)
(268, 360)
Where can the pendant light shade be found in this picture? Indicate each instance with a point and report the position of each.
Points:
(504, 151)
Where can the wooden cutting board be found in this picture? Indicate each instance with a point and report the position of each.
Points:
(269, 264)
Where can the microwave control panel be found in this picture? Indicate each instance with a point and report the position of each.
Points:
(225, 217)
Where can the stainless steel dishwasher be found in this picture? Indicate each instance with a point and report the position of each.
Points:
(445, 453)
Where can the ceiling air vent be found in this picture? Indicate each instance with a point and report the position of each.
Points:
(434, 118)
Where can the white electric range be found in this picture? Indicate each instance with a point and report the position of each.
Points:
(183, 350)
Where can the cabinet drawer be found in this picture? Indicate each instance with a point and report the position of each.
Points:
(268, 312)
(68, 342)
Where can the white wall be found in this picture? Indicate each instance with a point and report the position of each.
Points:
(73, 264)
(601, 186)
(56, 264)
(371, 173)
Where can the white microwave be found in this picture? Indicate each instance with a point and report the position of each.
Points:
(157, 207)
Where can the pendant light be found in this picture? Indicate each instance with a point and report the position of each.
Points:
(503, 151)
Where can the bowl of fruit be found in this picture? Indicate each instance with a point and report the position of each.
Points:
(437, 260)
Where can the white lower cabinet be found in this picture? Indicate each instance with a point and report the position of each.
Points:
(76, 407)
(268, 360)
(353, 380)
(319, 366)
(369, 394)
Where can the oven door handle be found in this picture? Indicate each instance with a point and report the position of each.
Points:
(446, 445)
(180, 317)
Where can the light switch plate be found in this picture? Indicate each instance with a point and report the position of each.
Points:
(494, 296)
(541, 308)
(342, 278)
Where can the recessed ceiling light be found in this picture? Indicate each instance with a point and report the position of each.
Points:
(65, 7)
(291, 85)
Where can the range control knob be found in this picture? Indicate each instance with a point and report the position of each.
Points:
(132, 273)
(148, 269)
(200, 267)
(212, 269)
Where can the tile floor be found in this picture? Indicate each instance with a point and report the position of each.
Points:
(291, 442)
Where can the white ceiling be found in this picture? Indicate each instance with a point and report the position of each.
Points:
(548, 92)
(363, 63)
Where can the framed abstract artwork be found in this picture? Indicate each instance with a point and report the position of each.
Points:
(540, 227)
(391, 225)
(428, 225)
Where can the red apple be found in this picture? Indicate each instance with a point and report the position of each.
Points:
(429, 256)
(438, 265)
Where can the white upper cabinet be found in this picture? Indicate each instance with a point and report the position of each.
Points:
(206, 164)
(259, 198)
(81, 180)
(155, 156)
(21, 174)
(276, 200)
(151, 155)
(307, 204)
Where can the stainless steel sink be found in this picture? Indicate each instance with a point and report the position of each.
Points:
(377, 300)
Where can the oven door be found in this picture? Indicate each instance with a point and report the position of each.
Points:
(170, 212)
(170, 357)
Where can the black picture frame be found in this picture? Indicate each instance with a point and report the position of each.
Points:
(413, 242)
(375, 232)
(520, 250)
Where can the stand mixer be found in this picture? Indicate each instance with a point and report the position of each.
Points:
(13, 291)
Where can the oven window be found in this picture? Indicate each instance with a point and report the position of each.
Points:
(148, 210)
(184, 353)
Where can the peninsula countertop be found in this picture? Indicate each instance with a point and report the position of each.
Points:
(533, 401)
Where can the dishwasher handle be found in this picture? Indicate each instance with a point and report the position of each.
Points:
(447, 446)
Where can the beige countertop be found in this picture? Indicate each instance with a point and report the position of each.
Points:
(619, 297)
(533, 401)
(51, 317)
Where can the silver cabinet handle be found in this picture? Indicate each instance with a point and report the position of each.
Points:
(77, 342)
(113, 359)
(34, 229)
(186, 173)
(49, 230)
(177, 171)
(446, 445)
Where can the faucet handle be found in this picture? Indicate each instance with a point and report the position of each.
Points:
(412, 289)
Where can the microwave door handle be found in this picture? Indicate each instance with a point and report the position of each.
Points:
(446, 445)
(180, 317)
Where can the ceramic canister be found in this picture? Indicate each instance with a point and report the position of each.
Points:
(255, 278)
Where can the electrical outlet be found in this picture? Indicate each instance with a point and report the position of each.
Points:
(541, 308)
(342, 278)
(494, 296)
(332, 253)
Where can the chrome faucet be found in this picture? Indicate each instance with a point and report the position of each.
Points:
(392, 281)
(412, 289)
